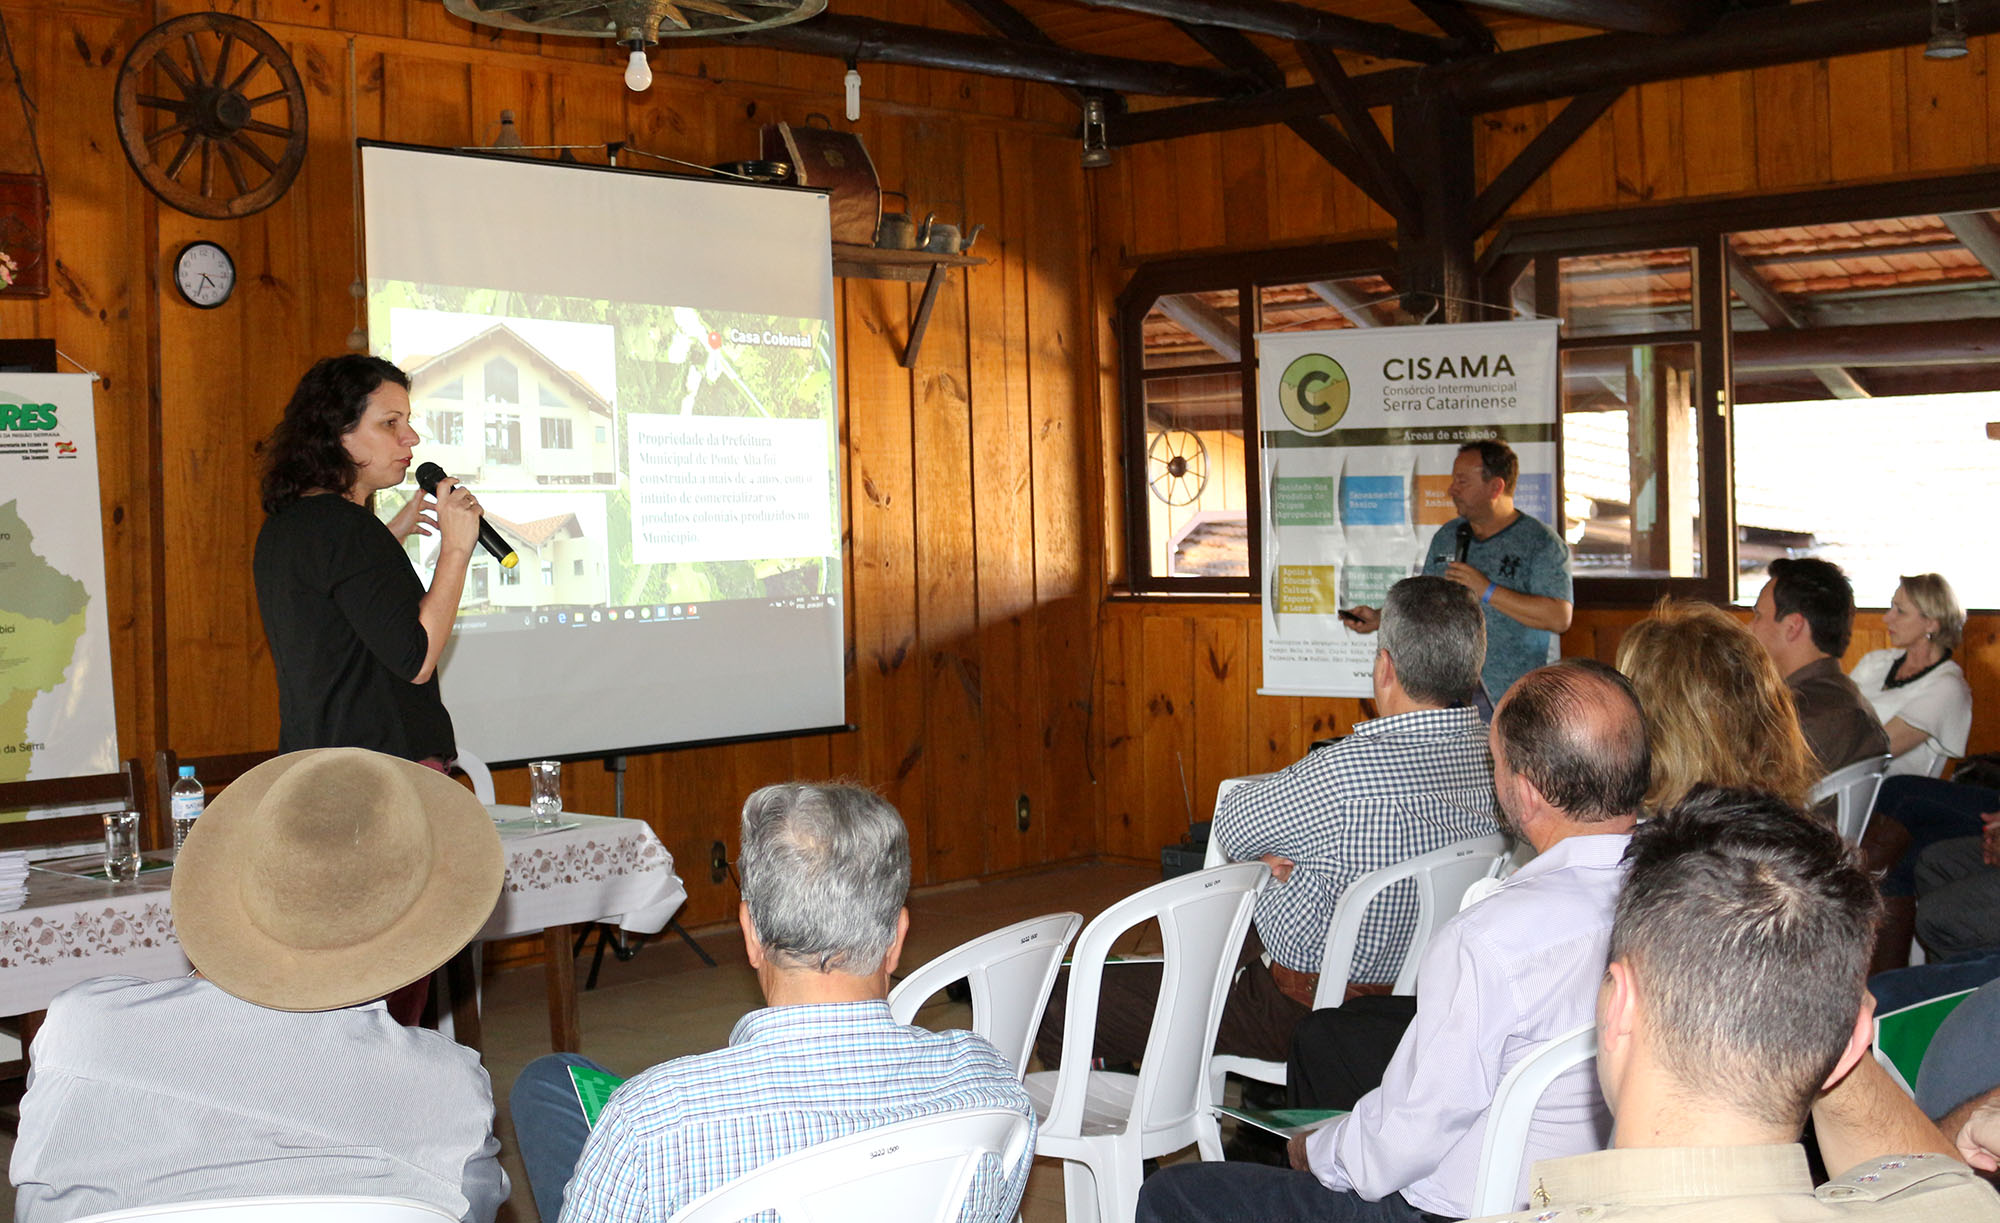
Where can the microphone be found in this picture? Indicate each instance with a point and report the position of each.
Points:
(428, 475)
(1464, 534)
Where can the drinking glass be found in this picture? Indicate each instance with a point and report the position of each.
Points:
(545, 801)
(121, 845)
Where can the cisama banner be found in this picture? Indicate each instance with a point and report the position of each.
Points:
(1359, 430)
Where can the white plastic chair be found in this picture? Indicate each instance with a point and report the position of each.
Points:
(1854, 786)
(1010, 973)
(1215, 856)
(1505, 1149)
(911, 1172)
(1102, 1124)
(478, 774)
(287, 1208)
(1442, 877)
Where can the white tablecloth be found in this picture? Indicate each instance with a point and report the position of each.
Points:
(70, 929)
(602, 870)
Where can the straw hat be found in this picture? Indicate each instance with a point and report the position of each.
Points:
(326, 878)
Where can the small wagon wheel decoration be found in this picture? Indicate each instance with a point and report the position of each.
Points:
(1176, 466)
(222, 133)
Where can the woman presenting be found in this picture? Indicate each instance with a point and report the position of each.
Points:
(355, 636)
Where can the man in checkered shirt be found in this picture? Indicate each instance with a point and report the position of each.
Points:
(1416, 778)
(825, 870)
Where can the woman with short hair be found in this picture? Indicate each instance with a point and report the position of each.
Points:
(1916, 687)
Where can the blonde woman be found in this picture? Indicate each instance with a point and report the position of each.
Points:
(1917, 689)
(1716, 709)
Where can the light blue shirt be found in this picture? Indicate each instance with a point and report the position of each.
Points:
(149, 1092)
(791, 1077)
(1512, 971)
(1523, 556)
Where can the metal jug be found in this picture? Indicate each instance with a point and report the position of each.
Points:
(896, 231)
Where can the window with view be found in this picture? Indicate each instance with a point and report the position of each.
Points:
(1864, 384)
(1192, 449)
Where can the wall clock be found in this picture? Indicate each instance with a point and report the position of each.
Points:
(219, 130)
(205, 274)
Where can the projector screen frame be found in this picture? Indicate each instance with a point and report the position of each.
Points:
(838, 455)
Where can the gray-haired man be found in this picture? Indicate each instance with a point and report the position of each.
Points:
(825, 870)
(1414, 779)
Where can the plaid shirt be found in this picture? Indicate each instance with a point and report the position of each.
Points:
(1397, 787)
(791, 1077)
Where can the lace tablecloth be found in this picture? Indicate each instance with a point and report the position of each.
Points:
(71, 929)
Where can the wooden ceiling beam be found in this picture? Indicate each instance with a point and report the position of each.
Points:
(1747, 38)
(1780, 315)
(1534, 161)
(1281, 19)
(1631, 16)
(1008, 22)
(887, 42)
(1204, 322)
(1457, 22)
(1960, 342)
(1233, 49)
(1977, 233)
(1376, 155)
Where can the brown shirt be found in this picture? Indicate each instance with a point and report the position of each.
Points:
(1839, 726)
(1758, 1184)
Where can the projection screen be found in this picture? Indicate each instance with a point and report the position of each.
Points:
(635, 372)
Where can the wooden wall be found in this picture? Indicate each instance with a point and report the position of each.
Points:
(970, 486)
(1180, 676)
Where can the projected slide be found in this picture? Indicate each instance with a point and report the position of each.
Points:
(714, 487)
(653, 430)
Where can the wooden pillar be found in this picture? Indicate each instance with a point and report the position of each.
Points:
(1434, 249)
(1662, 464)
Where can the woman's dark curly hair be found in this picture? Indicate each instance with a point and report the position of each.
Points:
(304, 453)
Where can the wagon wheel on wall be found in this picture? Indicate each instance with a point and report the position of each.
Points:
(1176, 466)
(223, 132)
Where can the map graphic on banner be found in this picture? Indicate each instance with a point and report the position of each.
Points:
(1359, 430)
(56, 710)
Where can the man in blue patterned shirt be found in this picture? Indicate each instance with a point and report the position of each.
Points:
(825, 870)
(1414, 779)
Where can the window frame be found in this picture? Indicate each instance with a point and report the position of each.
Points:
(1704, 226)
(1246, 273)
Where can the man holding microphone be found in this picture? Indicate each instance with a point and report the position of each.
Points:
(1516, 567)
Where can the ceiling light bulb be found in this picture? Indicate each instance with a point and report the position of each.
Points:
(853, 83)
(638, 73)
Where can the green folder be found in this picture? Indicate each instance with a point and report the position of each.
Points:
(593, 1090)
(1903, 1036)
(1284, 1122)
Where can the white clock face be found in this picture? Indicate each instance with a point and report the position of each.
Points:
(205, 274)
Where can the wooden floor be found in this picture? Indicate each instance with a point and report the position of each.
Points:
(664, 1003)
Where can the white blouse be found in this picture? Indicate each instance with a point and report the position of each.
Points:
(1939, 704)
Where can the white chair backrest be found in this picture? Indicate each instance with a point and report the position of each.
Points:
(1010, 973)
(1505, 1149)
(911, 1172)
(1203, 917)
(1215, 856)
(286, 1209)
(1854, 786)
(478, 774)
(1441, 876)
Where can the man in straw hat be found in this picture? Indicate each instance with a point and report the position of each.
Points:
(317, 883)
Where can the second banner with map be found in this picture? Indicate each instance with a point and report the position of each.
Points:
(1359, 430)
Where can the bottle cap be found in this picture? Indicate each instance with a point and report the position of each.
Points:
(187, 770)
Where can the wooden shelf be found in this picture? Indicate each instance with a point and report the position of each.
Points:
(875, 263)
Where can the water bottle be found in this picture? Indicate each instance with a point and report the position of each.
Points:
(186, 804)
